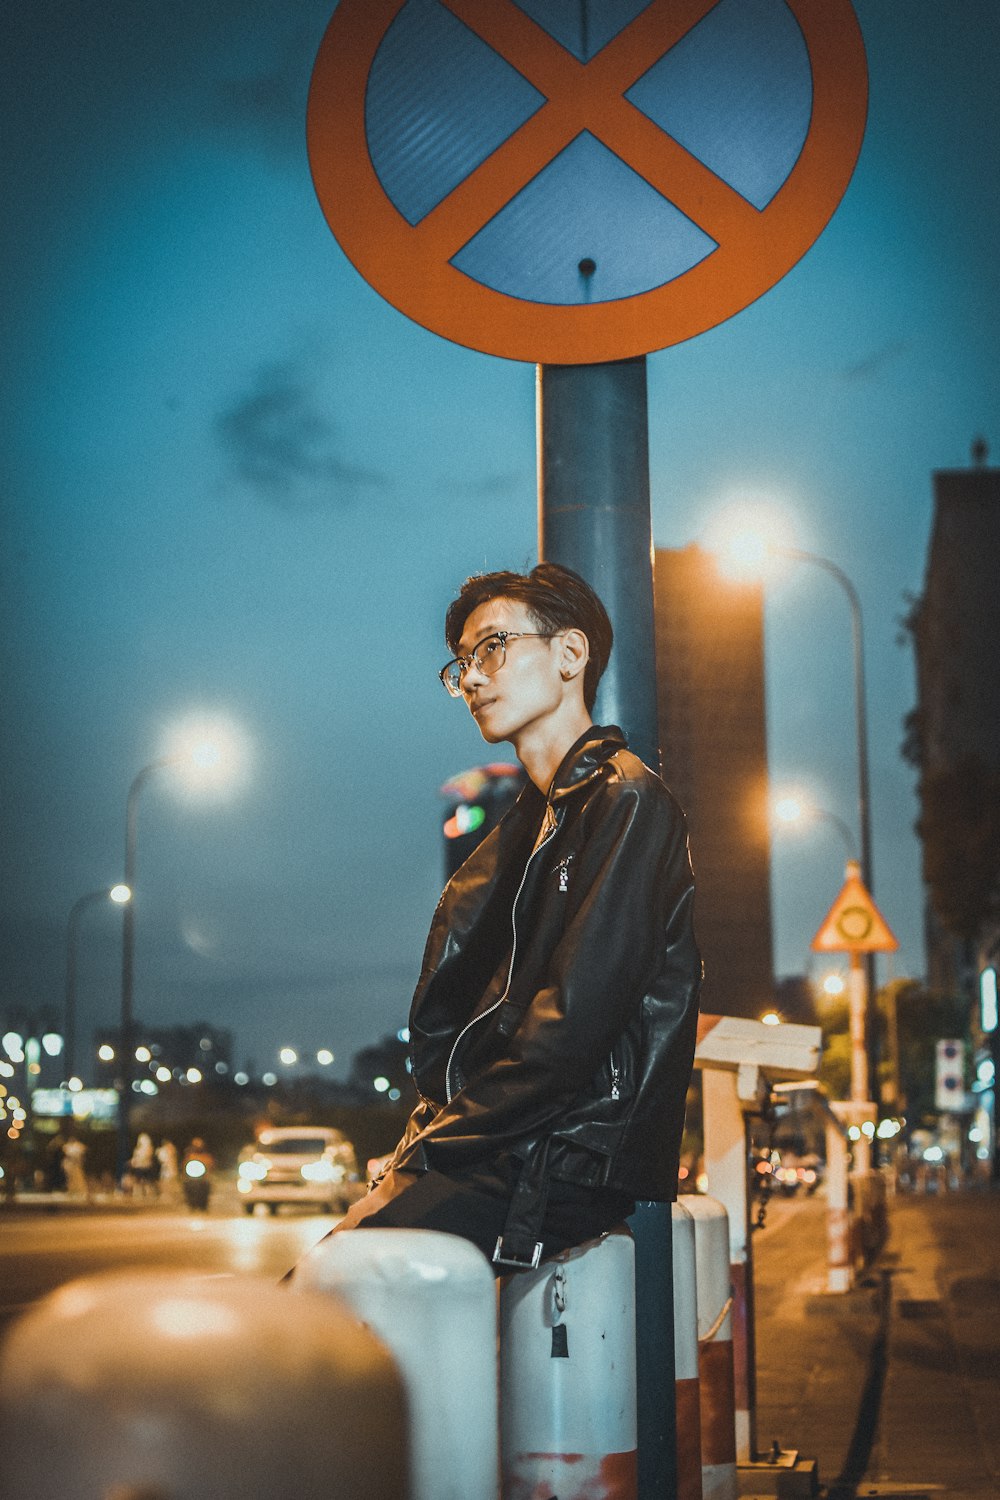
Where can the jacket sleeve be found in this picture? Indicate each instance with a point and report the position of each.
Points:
(632, 921)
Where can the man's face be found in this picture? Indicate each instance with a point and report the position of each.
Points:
(527, 688)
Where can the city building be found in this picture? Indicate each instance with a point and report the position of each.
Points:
(713, 742)
(953, 734)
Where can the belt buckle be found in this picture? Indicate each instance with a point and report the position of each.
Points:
(518, 1262)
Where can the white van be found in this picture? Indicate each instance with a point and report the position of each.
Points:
(299, 1164)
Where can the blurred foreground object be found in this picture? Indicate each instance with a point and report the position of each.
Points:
(191, 1388)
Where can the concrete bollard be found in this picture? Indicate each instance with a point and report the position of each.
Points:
(715, 1348)
(568, 1375)
(839, 1262)
(195, 1388)
(688, 1395)
(432, 1298)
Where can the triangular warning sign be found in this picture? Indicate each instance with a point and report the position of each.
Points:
(854, 923)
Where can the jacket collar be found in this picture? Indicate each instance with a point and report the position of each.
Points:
(585, 759)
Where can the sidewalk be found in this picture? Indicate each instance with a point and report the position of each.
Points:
(893, 1387)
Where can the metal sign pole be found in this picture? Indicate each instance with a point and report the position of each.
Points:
(594, 517)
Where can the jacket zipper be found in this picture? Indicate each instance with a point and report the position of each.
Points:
(510, 971)
(615, 1078)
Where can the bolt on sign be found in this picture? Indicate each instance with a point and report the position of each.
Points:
(572, 184)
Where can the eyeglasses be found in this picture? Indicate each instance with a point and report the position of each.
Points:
(489, 656)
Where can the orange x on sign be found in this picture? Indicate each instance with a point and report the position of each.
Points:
(412, 264)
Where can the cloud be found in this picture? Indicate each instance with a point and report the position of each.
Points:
(268, 109)
(868, 369)
(506, 483)
(283, 447)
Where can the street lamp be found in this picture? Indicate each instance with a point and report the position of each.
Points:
(748, 550)
(792, 810)
(120, 895)
(860, 710)
(208, 754)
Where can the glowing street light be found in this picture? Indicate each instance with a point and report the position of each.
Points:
(769, 546)
(748, 548)
(771, 1018)
(796, 810)
(210, 754)
(288, 1056)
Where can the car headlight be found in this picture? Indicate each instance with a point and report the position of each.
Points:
(322, 1171)
(252, 1171)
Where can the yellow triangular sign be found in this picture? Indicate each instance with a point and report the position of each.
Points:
(854, 923)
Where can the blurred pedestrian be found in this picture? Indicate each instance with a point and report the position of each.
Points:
(142, 1165)
(55, 1175)
(166, 1156)
(196, 1175)
(74, 1155)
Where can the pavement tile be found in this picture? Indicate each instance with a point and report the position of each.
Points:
(930, 1369)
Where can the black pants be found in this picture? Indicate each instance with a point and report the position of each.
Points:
(430, 1200)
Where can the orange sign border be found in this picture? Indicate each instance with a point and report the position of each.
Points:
(854, 897)
(406, 266)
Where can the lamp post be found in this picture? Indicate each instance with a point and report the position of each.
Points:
(126, 1038)
(750, 549)
(119, 894)
(795, 554)
(208, 750)
(791, 810)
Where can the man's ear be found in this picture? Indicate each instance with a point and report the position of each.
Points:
(574, 654)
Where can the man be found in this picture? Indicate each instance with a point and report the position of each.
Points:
(552, 1029)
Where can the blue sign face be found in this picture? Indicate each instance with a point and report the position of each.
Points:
(735, 92)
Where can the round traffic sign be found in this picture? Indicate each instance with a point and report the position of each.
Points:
(854, 923)
(525, 196)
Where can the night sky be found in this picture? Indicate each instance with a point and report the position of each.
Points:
(237, 485)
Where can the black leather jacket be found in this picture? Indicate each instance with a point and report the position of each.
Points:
(557, 1001)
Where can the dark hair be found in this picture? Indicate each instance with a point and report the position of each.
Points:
(555, 597)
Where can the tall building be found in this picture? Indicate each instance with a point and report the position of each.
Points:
(710, 688)
(953, 734)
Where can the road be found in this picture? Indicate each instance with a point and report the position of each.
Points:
(893, 1387)
(39, 1251)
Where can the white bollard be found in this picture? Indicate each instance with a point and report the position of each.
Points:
(432, 1298)
(715, 1348)
(197, 1388)
(840, 1270)
(686, 1354)
(568, 1376)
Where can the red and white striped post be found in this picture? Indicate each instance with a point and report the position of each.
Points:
(686, 1354)
(715, 1348)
